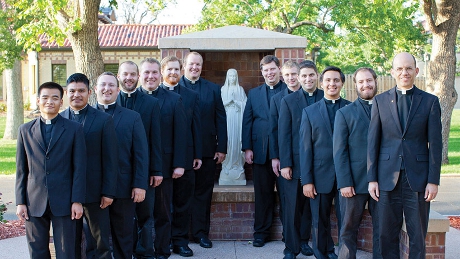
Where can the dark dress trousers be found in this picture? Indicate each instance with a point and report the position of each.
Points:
(403, 161)
(149, 111)
(297, 214)
(132, 173)
(214, 139)
(173, 142)
(350, 154)
(255, 137)
(317, 167)
(101, 177)
(49, 178)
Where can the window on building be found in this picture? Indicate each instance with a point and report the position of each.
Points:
(59, 74)
(111, 68)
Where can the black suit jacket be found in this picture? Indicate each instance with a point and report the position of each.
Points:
(213, 117)
(289, 125)
(101, 154)
(191, 102)
(350, 147)
(173, 123)
(419, 144)
(56, 174)
(133, 159)
(317, 163)
(147, 106)
(256, 117)
(275, 104)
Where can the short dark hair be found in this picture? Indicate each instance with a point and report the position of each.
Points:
(332, 68)
(107, 73)
(308, 64)
(78, 78)
(269, 59)
(374, 75)
(50, 85)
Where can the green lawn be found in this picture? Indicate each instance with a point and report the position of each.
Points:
(8, 148)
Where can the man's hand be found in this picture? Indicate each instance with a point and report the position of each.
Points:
(374, 190)
(21, 212)
(178, 172)
(309, 190)
(105, 202)
(431, 191)
(138, 194)
(155, 180)
(286, 173)
(248, 156)
(348, 192)
(276, 166)
(197, 163)
(76, 210)
(220, 157)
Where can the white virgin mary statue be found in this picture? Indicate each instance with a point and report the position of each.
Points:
(234, 100)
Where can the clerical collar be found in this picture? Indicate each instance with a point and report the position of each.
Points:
(192, 81)
(368, 102)
(275, 86)
(404, 91)
(106, 106)
(168, 86)
(149, 91)
(331, 101)
(52, 121)
(81, 111)
(310, 94)
(129, 95)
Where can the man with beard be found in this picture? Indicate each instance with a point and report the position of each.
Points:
(404, 158)
(133, 161)
(149, 109)
(350, 152)
(297, 228)
(214, 141)
(255, 143)
(101, 169)
(317, 164)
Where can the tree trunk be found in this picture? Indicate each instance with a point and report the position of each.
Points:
(85, 45)
(441, 69)
(14, 101)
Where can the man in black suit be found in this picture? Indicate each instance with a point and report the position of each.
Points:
(317, 171)
(101, 169)
(404, 158)
(214, 141)
(149, 109)
(133, 162)
(350, 152)
(50, 176)
(297, 225)
(255, 143)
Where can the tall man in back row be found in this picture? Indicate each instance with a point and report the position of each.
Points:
(255, 143)
(404, 158)
(214, 136)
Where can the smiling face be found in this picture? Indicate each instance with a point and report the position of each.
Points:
(171, 72)
(366, 86)
(128, 77)
(308, 79)
(150, 76)
(193, 66)
(49, 102)
(78, 95)
(106, 89)
(271, 73)
(291, 77)
(332, 84)
(404, 70)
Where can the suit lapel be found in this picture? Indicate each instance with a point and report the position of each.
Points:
(119, 99)
(37, 134)
(416, 99)
(57, 132)
(301, 102)
(140, 99)
(394, 107)
(161, 97)
(360, 111)
(264, 99)
(325, 116)
(117, 115)
(90, 115)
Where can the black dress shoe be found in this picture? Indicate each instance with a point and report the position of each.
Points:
(305, 249)
(204, 242)
(184, 251)
(161, 257)
(332, 256)
(258, 242)
(288, 254)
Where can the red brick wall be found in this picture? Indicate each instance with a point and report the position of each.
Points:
(435, 245)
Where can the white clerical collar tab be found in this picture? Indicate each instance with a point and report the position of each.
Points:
(310, 94)
(403, 91)
(271, 87)
(171, 88)
(106, 106)
(150, 92)
(369, 102)
(76, 112)
(48, 121)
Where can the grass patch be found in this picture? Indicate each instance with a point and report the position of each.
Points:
(7, 150)
(454, 146)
